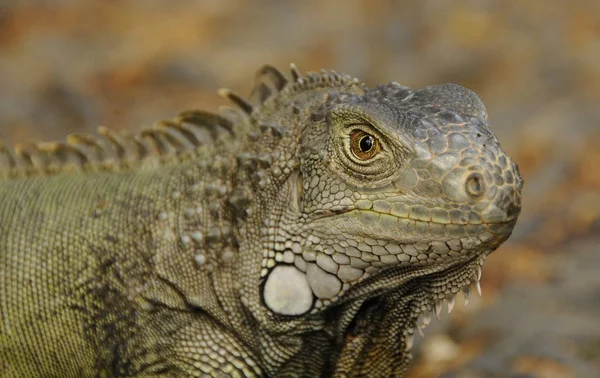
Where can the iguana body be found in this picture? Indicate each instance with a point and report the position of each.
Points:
(301, 236)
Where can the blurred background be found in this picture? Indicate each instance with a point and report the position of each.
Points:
(72, 65)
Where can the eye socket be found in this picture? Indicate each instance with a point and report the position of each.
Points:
(363, 145)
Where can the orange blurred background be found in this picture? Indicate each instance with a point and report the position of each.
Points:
(70, 66)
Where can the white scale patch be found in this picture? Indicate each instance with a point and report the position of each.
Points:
(287, 292)
(323, 284)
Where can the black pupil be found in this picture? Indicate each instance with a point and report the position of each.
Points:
(366, 143)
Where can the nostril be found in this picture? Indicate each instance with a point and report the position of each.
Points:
(474, 185)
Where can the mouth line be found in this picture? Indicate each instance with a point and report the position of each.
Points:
(333, 213)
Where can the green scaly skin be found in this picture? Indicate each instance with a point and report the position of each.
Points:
(272, 241)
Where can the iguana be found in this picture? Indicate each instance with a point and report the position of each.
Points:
(310, 232)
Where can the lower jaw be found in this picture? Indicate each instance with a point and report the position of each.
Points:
(441, 280)
(394, 316)
(444, 287)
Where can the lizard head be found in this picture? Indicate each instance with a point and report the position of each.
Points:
(393, 185)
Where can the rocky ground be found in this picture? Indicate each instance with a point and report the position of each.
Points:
(69, 66)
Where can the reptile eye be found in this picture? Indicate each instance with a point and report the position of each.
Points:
(366, 143)
(364, 146)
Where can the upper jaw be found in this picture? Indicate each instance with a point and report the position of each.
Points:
(379, 238)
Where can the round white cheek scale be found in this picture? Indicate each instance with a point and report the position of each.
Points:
(287, 292)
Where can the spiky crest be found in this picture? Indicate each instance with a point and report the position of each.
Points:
(271, 83)
(111, 150)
